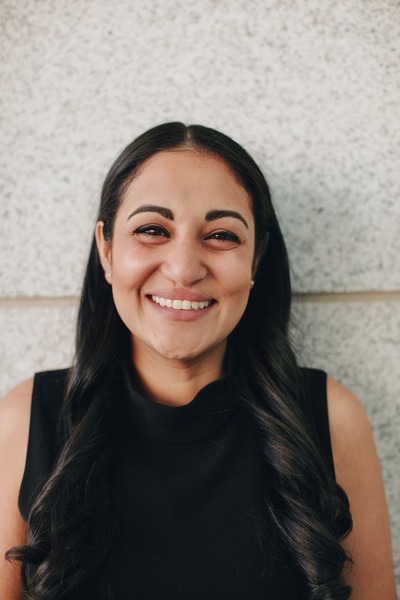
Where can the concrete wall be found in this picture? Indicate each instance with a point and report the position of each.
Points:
(312, 91)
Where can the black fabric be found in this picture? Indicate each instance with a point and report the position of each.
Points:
(188, 493)
(43, 445)
(315, 385)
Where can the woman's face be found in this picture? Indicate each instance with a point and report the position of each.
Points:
(180, 260)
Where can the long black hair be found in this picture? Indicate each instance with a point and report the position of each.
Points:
(309, 509)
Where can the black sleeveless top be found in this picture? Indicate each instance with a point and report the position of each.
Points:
(188, 490)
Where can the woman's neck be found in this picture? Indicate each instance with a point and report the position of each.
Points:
(176, 383)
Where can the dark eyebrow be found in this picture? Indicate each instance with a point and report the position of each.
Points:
(213, 215)
(164, 212)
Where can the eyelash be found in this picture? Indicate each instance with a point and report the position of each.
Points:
(152, 231)
(224, 236)
(157, 231)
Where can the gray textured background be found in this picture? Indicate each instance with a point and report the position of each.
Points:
(312, 89)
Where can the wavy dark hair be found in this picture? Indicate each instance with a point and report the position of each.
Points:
(309, 509)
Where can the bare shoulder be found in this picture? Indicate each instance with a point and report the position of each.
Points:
(19, 395)
(358, 472)
(15, 410)
(348, 421)
(343, 404)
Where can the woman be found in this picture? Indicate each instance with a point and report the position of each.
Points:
(185, 454)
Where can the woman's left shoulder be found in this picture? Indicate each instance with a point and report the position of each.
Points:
(358, 472)
(348, 421)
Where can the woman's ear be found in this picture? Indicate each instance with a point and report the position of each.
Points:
(104, 250)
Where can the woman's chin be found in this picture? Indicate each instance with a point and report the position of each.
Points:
(180, 351)
(180, 354)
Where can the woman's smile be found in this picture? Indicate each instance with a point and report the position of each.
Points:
(181, 308)
(181, 256)
(181, 304)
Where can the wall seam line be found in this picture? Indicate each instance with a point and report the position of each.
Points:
(318, 297)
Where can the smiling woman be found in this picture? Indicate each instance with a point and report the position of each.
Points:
(185, 455)
(196, 245)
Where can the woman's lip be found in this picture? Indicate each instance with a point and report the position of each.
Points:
(180, 295)
(182, 313)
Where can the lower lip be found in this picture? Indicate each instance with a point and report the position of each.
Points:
(180, 314)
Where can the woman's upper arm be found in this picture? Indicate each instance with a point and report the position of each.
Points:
(358, 472)
(14, 433)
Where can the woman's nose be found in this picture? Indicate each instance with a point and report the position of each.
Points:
(183, 264)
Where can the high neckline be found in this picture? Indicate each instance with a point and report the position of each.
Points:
(209, 410)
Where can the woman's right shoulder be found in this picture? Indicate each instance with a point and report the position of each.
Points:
(45, 388)
(15, 409)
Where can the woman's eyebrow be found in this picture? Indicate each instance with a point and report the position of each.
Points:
(164, 212)
(213, 215)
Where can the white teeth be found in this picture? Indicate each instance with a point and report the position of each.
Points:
(181, 304)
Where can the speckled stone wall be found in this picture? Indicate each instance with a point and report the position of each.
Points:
(312, 89)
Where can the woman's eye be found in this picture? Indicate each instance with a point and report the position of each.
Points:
(151, 231)
(224, 236)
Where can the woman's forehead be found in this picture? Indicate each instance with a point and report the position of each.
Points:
(186, 175)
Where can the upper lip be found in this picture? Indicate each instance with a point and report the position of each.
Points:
(180, 295)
